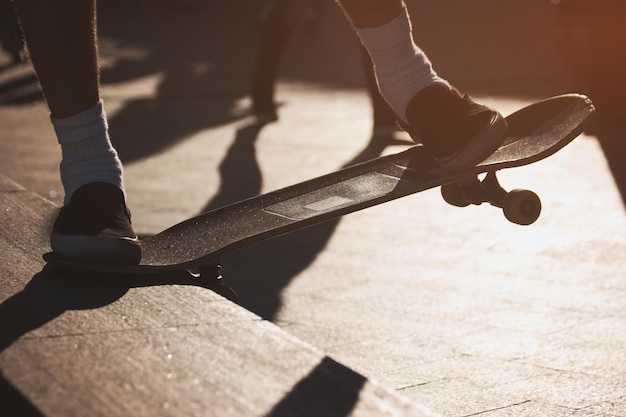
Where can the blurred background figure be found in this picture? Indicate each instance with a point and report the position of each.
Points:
(592, 38)
(10, 34)
(277, 23)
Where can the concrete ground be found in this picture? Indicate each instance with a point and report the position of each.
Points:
(453, 308)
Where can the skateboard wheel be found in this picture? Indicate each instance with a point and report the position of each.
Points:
(453, 194)
(226, 292)
(521, 207)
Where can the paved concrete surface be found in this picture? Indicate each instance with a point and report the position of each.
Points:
(453, 308)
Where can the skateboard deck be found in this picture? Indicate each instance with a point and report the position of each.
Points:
(535, 132)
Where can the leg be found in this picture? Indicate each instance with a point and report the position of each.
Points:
(94, 225)
(458, 132)
(10, 34)
(62, 44)
(371, 13)
(276, 28)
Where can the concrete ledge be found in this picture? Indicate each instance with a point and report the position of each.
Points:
(85, 345)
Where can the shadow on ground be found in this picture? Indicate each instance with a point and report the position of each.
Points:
(52, 292)
(260, 273)
(330, 387)
(612, 139)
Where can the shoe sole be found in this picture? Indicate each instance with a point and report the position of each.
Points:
(97, 249)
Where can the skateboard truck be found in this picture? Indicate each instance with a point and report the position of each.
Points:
(211, 276)
(520, 206)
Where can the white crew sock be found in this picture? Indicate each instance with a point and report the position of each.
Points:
(402, 69)
(88, 155)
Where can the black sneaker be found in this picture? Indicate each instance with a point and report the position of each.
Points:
(458, 132)
(95, 227)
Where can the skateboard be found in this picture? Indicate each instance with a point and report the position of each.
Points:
(197, 244)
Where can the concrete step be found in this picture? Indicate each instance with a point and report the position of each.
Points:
(78, 344)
